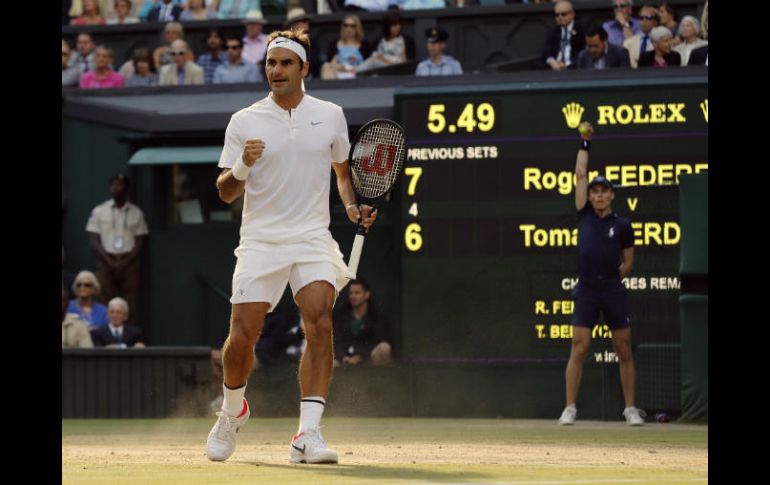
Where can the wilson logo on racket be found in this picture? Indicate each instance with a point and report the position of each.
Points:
(374, 164)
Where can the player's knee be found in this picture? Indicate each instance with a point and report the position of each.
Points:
(320, 327)
(623, 351)
(580, 349)
(381, 354)
(241, 336)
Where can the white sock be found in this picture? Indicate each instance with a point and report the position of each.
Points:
(311, 409)
(233, 402)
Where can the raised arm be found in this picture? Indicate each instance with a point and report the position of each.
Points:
(581, 166)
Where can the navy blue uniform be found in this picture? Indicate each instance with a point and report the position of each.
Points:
(600, 244)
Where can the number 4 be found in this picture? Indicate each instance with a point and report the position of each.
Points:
(415, 173)
(413, 209)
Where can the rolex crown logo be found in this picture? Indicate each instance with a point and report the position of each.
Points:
(704, 106)
(572, 113)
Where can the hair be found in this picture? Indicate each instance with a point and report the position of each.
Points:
(390, 19)
(174, 26)
(105, 47)
(359, 26)
(140, 54)
(630, 2)
(654, 11)
(90, 37)
(704, 21)
(122, 176)
(361, 282)
(659, 33)
(597, 30)
(230, 38)
(127, 1)
(668, 8)
(86, 275)
(118, 301)
(693, 20)
(96, 5)
(296, 35)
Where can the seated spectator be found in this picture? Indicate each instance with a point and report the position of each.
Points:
(422, 4)
(640, 43)
(255, 41)
(144, 71)
(689, 32)
(118, 335)
(282, 338)
(600, 54)
(392, 47)
(347, 52)
(360, 333)
(122, 13)
(234, 70)
(564, 42)
(86, 53)
(161, 55)
(704, 22)
(367, 5)
(699, 56)
(667, 16)
(214, 57)
(182, 71)
(623, 25)
(165, 11)
(439, 64)
(103, 76)
(74, 331)
(662, 56)
(70, 71)
(196, 10)
(92, 14)
(237, 9)
(298, 19)
(85, 288)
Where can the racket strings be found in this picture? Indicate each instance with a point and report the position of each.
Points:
(372, 176)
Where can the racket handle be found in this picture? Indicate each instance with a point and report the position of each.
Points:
(355, 256)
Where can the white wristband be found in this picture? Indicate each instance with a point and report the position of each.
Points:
(240, 170)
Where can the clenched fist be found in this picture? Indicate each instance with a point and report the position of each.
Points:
(252, 151)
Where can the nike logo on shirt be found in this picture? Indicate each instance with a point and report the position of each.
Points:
(314, 123)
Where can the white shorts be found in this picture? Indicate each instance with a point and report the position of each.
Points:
(263, 269)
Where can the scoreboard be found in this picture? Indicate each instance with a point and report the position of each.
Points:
(488, 221)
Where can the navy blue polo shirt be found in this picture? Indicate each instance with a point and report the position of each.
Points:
(601, 241)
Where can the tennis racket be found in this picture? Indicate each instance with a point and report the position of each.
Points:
(376, 160)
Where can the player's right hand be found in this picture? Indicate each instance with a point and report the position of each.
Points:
(252, 151)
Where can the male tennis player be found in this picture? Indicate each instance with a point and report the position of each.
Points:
(277, 151)
(604, 239)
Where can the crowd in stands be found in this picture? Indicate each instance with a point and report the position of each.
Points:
(655, 37)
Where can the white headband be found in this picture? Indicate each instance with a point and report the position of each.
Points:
(292, 45)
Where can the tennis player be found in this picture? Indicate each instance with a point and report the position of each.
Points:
(277, 151)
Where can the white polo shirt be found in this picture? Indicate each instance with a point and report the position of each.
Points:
(287, 191)
(118, 227)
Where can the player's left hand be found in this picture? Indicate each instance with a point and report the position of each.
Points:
(369, 216)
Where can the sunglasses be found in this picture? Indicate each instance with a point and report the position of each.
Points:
(561, 14)
(622, 5)
(178, 53)
(647, 17)
(87, 285)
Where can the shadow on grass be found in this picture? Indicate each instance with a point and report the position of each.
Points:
(375, 471)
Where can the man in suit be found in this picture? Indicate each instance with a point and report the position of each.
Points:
(564, 42)
(641, 43)
(117, 334)
(699, 56)
(165, 11)
(600, 54)
(182, 71)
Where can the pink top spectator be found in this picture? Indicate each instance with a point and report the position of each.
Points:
(83, 20)
(111, 80)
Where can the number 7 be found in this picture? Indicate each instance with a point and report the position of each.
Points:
(415, 173)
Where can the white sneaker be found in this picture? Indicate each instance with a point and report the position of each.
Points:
(634, 416)
(221, 443)
(310, 447)
(568, 415)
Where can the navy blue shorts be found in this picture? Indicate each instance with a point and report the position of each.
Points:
(612, 303)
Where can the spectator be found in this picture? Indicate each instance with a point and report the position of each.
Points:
(600, 54)
(438, 64)
(86, 53)
(182, 71)
(282, 338)
(360, 333)
(366, 5)
(171, 32)
(699, 56)
(165, 11)
(74, 331)
(704, 22)
(122, 13)
(237, 9)
(689, 32)
(214, 57)
(564, 42)
(393, 46)
(662, 56)
(640, 43)
(117, 335)
(92, 14)
(235, 70)
(255, 41)
(197, 10)
(298, 19)
(144, 70)
(103, 76)
(85, 288)
(422, 4)
(623, 25)
(70, 71)
(117, 233)
(348, 52)
(667, 16)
